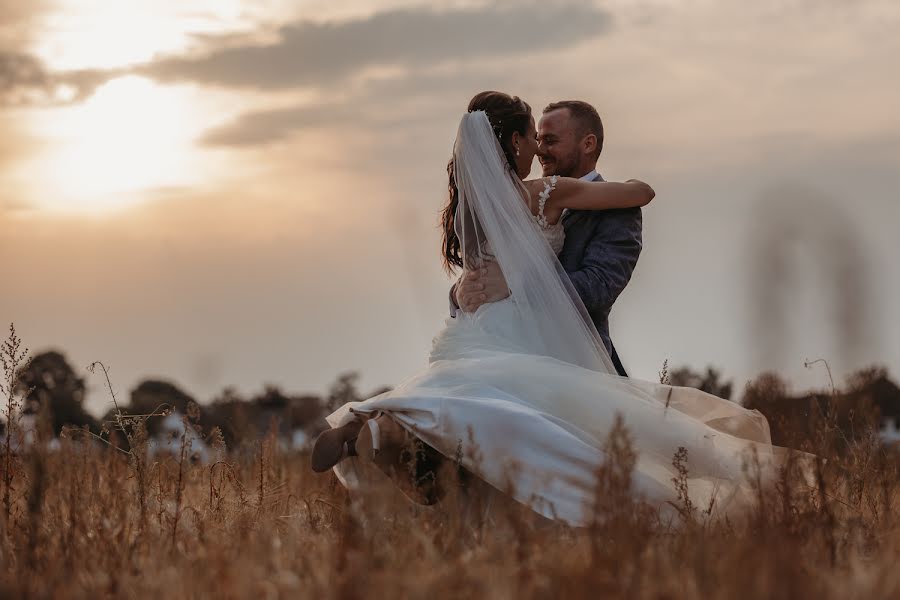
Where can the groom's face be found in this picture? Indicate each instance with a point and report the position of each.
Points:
(557, 147)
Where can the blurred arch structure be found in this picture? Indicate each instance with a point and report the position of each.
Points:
(797, 229)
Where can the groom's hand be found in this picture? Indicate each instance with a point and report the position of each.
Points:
(480, 287)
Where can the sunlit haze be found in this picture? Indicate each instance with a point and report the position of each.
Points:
(245, 193)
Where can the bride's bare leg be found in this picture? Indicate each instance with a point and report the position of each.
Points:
(406, 460)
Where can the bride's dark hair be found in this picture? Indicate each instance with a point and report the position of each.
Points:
(506, 114)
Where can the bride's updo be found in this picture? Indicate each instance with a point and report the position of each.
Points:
(506, 114)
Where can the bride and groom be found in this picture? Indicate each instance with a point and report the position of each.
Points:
(523, 384)
(600, 248)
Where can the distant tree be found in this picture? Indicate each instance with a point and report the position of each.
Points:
(307, 412)
(151, 394)
(837, 418)
(272, 398)
(866, 377)
(57, 393)
(297, 412)
(711, 381)
(233, 415)
(154, 396)
(765, 393)
(872, 387)
(344, 390)
(272, 405)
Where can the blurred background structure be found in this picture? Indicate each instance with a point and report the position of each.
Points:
(229, 194)
(811, 280)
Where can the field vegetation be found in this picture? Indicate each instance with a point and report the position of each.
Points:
(93, 514)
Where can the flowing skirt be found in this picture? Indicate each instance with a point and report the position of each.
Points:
(535, 427)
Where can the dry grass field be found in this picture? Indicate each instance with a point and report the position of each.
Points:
(88, 522)
(85, 519)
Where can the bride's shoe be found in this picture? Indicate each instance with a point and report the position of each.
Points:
(334, 445)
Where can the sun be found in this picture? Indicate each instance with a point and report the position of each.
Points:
(130, 138)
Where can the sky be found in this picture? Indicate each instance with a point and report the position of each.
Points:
(233, 193)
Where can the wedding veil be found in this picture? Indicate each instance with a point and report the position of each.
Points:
(494, 224)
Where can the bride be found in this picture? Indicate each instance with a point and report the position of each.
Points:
(522, 392)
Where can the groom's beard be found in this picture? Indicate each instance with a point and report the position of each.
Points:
(564, 167)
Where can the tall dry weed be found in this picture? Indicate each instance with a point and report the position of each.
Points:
(108, 519)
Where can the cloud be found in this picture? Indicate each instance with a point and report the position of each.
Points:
(310, 54)
(267, 126)
(19, 75)
(440, 54)
(362, 109)
(25, 81)
(23, 77)
(19, 20)
(413, 99)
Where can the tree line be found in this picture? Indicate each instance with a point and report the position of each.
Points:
(53, 395)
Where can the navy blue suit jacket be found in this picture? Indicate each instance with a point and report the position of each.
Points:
(601, 250)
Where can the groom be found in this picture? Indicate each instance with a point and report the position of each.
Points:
(601, 248)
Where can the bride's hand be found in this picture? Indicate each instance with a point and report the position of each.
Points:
(480, 287)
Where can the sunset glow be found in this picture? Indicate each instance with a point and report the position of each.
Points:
(131, 137)
(256, 185)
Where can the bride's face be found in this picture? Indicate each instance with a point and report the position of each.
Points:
(527, 146)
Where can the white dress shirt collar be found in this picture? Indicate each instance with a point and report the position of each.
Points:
(589, 177)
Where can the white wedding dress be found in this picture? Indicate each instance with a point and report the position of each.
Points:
(534, 426)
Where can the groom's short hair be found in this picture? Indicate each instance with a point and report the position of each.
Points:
(587, 119)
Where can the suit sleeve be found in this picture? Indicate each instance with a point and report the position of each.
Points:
(609, 259)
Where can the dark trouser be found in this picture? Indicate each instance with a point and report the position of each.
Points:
(617, 363)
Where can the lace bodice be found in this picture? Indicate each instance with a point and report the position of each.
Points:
(554, 234)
